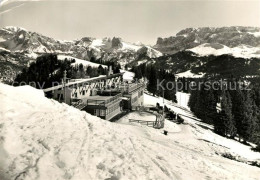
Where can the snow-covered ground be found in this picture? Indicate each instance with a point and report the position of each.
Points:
(80, 61)
(43, 139)
(183, 99)
(243, 51)
(128, 75)
(99, 44)
(190, 74)
(204, 131)
(127, 46)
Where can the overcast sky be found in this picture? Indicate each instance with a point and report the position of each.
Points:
(132, 20)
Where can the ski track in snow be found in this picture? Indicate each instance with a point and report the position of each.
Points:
(43, 139)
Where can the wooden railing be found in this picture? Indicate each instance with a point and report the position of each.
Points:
(127, 88)
(134, 87)
(104, 102)
(148, 123)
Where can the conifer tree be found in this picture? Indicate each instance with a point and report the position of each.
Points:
(210, 104)
(237, 98)
(152, 85)
(138, 72)
(226, 115)
(247, 120)
(194, 98)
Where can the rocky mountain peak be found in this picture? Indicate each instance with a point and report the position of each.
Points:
(116, 42)
(192, 37)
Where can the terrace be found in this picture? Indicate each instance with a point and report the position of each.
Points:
(102, 100)
(131, 87)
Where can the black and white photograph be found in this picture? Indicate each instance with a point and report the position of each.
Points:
(129, 89)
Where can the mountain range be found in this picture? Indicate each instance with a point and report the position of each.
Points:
(216, 38)
(180, 53)
(18, 47)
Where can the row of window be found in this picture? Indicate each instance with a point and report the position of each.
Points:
(103, 112)
(99, 112)
(112, 108)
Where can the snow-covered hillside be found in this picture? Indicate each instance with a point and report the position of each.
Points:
(80, 61)
(190, 74)
(43, 139)
(188, 38)
(243, 51)
(204, 132)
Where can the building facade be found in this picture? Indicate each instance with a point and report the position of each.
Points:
(103, 96)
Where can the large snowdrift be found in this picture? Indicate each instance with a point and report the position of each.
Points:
(43, 139)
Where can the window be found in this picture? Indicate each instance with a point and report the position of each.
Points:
(102, 112)
(96, 112)
(83, 92)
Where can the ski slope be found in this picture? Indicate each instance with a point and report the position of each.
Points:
(43, 139)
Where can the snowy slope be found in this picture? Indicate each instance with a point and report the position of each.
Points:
(105, 45)
(128, 75)
(190, 74)
(152, 53)
(80, 61)
(43, 139)
(233, 36)
(243, 51)
(221, 144)
(127, 46)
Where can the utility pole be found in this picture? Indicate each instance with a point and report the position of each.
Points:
(64, 84)
(163, 102)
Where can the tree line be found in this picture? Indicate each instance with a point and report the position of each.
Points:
(234, 111)
(155, 77)
(48, 69)
(113, 63)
